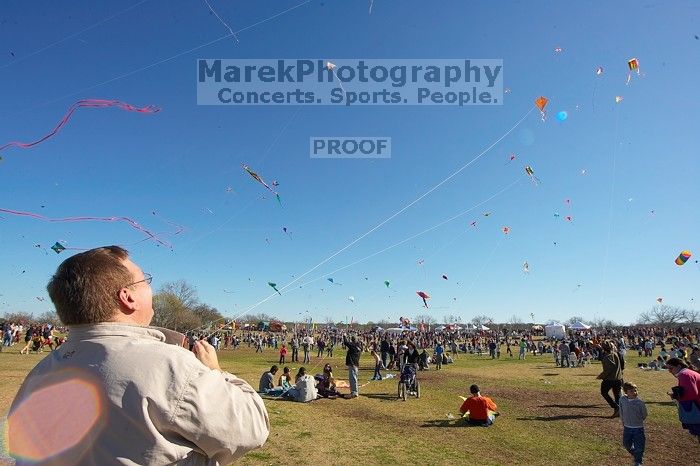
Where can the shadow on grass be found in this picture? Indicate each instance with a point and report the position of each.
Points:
(571, 406)
(381, 396)
(449, 423)
(561, 417)
(662, 403)
(551, 374)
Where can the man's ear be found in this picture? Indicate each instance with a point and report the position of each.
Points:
(127, 300)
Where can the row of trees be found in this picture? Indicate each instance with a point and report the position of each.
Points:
(177, 306)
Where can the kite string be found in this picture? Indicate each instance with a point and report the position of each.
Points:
(75, 34)
(164, 60)
(610, 211)
(454, 217)
(222, 21)
(483, 266)
(400, 211)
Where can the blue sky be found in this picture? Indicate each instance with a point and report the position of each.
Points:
(639, 156)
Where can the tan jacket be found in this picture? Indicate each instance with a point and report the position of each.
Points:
(124, 394)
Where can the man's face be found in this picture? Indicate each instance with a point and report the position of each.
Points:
(142, 294)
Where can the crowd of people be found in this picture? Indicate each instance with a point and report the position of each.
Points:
(36, 337)
(222, 416)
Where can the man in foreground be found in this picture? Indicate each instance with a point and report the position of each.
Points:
(481, 409)
(119, 392)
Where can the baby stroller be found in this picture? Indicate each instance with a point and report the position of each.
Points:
(408, 383)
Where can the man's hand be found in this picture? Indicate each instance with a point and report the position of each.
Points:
(206, 354)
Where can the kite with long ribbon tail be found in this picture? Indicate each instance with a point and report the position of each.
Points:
(94, 103)
(257, 178)
(425, 296)
(274, 287)
(127, 220)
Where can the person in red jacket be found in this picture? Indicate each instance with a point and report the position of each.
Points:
(481, 409)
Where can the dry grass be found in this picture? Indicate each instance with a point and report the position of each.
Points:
(549, 415)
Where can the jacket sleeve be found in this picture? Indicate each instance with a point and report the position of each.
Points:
(221, 415)
(491, 405)
(690, 389)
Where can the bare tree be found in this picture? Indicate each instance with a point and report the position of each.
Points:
(515, 320)
(186, 293)
(49, 317)
(481, 320)
(19, 317)
(207, 314)
(574, 319)
(424, 318)
(665, 315)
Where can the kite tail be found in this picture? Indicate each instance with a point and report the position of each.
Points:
(278, 199)
(81, 103)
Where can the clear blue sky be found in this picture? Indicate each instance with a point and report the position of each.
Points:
(638, 156)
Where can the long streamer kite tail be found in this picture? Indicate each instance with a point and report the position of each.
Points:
(95, 103)
(278, 199)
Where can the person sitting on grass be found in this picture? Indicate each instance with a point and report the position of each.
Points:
(305, 388)
(326, 383)
(481, 409)
(267, 381)
(285, 380)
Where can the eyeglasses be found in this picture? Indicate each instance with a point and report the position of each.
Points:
(148, 279)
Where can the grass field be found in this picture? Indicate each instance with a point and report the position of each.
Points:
(549, 415)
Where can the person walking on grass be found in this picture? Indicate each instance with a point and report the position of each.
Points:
(633, 412)
(611, 377)
(377, 366)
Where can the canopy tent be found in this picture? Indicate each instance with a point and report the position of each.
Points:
(578, 325)
(401, 329)
(555, 330)
(483, 327)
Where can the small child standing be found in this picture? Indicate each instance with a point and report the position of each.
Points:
(633, 411)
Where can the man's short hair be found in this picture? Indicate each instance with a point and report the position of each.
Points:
(85, 287)
(274, 368)
(474, 389)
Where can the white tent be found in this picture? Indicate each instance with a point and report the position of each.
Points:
(578, 325)
(555, 330)
(400, 329)
(484, 327)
